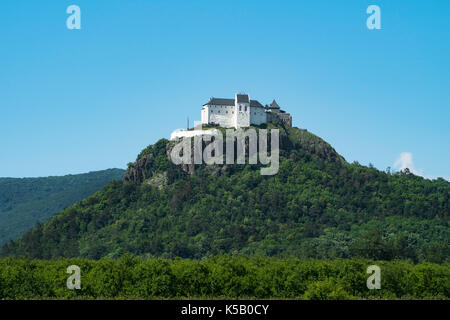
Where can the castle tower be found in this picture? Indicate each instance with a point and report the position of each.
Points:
(274, 107)
(275, 114)
(242, 110)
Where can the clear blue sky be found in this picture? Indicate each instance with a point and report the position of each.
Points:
(73, 101)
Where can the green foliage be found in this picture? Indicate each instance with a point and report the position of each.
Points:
(25, 201)
(221, 276)
(317, 206)
(326, 290)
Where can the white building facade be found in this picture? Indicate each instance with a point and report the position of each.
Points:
(235, 113)
(238, 112)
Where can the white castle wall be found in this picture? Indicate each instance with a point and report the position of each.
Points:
(258, 116)
(221, 115)
(205, 115)
(180, 133)
(227, 117)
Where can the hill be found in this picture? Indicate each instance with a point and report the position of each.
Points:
(25, 201)
(318, 206)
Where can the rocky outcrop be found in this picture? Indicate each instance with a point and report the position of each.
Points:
(302, 140)
(137, 171)
(294, 142)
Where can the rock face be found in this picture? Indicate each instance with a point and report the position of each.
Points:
(137, 171)
(294, 142)
(308, 143)
(154, 160)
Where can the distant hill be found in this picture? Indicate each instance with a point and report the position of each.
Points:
(318, 205)
(23, 202)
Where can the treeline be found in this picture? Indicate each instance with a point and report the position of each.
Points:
(25, 201)
(221, 277)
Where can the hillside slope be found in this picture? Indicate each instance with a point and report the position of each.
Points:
(25, 201)
(318, 205)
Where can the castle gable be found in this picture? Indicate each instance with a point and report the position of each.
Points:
(242, 98)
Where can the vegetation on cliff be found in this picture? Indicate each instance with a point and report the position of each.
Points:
(317, 206)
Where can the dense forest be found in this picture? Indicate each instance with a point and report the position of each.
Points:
(221, 277)
(25, 201)
(317, 206)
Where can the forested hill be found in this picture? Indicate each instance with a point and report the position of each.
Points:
(318, 205)
(25, 201)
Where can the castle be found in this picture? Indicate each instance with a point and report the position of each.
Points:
(242, 112)
(236, 113)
